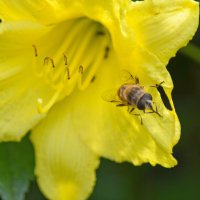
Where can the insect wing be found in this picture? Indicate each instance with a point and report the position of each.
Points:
(110, 96)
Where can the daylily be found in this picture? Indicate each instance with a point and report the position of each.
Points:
(58, 57)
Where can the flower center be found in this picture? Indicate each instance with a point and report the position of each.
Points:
(69, 53)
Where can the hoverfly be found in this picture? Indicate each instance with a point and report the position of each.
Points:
(134, 96)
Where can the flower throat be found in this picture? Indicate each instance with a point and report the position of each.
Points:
(77, 49)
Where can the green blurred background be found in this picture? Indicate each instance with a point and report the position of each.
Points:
(127, 182)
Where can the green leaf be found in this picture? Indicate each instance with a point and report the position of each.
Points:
(16, 169)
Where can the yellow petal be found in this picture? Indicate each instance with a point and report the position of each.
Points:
(112, 132)
(25, 10)
(163, 26)
(47, 10)
(19, 89)
(65, 167)
(108, 130)
(160, 26)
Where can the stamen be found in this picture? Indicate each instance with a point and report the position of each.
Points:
(100, 33)
(93, 79)
(37, 70)
(93, 61)
(65, 59)
(74, 57)
(107, 50)
(47, 60)
(80, 69)
(80, 50)
(68, 73)
(35, 50)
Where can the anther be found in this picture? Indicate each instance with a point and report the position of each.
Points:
(93, 79)
(47, 60)
(106, 52)
(68, 73)
(65, 59)
(81, 69)
(35, 49)
(100, 33)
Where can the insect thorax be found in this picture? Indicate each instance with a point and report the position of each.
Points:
(130, 94)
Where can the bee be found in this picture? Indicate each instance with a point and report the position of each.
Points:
(133, 95)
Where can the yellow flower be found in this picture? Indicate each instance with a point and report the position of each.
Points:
(57, 58)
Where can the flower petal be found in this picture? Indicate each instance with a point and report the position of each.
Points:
(18, 107)
(25, 10)
(110, 14)
(19, 89)
(112, 132)
(65, 167)
(163, 26)
(48, 11)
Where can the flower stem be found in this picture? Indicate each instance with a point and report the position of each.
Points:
(192, 51)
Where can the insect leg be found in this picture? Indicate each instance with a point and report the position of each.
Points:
(148, 112)
(137, 81)
(130, 111)
(153, 111)
(135, 78)
(128, 76)
(121, 104)
(141, 120)
(156, 111)
(157, 85)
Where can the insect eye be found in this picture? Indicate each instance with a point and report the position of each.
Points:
(141, 104)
